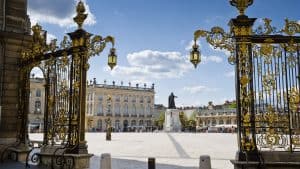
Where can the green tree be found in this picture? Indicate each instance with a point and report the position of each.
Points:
(159, 122)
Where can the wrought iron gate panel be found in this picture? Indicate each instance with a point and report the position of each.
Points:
(276, 98)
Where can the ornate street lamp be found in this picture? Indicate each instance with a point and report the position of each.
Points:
(112, 58)
(195, 55)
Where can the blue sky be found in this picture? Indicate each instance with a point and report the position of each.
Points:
(153, 39)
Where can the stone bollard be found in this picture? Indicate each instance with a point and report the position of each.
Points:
(105, 161)
(205, 162)
(151, 163)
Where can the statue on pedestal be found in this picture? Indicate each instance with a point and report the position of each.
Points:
(172, 101)
(108, 129)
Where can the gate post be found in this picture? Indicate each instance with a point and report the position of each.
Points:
(80, 65)
(241, 27)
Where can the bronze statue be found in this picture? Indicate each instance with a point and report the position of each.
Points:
(108, 129)
(172, 101)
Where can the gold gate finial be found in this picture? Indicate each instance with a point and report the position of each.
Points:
(241, 5)
(81, 16)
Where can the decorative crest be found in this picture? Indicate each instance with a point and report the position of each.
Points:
(241, 5)
(81, 16)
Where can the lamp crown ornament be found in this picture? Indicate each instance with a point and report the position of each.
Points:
(241, 5)
(81, 16)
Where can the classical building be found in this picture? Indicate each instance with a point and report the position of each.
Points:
(129, 108)
(216, 118)
(36, 106)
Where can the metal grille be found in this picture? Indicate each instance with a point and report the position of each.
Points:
(276, 96)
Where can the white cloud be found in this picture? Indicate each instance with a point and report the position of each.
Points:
(213, 58)
(148, 64)
(58, 12)
(230, 74)
(199, 89)
(226, 52)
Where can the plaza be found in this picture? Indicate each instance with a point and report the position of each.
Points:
(171, 150)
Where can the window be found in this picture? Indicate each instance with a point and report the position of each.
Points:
(99, 124)
(118, 98)
(148, 110)
(117, 108)
(100, 98)
(133, 109)
(228, 121)
(133, 123)
(221, 122)
(100, 109)
(148, 99)
(141, 109)
(38, 93)
(37, 106)
(141, 123)
(125, 98)
(126, 109)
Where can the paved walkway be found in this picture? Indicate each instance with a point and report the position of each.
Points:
(171, 150)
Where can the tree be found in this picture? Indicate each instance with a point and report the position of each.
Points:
(159, 122)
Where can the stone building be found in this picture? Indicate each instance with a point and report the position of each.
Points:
(36, 106)
(216, 118)
(130, 108)
(14, 35)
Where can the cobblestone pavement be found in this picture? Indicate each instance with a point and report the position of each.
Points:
(171, 150)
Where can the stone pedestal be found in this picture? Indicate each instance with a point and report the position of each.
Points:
(53, 155)
(271, 160)
(172, 121)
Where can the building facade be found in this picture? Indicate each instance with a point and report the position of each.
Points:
(219, 118)
(36, 106)
(129, 108)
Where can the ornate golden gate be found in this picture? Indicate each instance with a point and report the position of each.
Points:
(267, 69)
(64, 69)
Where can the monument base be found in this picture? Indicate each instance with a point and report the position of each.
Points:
(172, 121)
(54, 157)
(271, 160)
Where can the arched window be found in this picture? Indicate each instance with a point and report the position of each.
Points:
(117, 125)
(221, 122)
(133, 123)
(141, 123)
(38, 93)
(214, 122)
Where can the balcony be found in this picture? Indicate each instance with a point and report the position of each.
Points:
(117, 115)
(133, 115)
(108, 114)
(125, 115)
(141, 115)
(149, 115)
